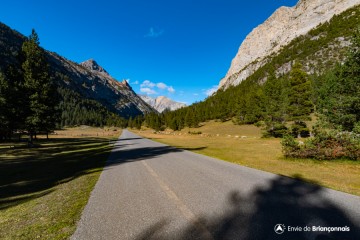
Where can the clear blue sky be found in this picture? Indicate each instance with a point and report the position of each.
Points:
(180, 48)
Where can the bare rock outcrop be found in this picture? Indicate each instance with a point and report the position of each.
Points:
(285, 24)
(93, 66)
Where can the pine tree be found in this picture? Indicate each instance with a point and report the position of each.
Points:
(276, 104)
(275, 99)
(40, 91)
(254, 106)
(173, 124)
(190, 118)
(340, 95)
(300, 105)
(15, 107)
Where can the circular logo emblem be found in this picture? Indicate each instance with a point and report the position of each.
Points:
(279, 228)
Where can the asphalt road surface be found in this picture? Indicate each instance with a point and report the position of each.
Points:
(150, 190)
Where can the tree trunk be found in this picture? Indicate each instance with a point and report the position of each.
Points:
(35, 136)
(47, 135)
(30, 141)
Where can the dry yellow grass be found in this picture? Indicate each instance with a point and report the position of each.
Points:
(243, 145)
(87, 132)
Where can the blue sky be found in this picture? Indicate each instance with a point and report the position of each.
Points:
(180, 49)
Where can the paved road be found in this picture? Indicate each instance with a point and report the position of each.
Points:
(149, 190)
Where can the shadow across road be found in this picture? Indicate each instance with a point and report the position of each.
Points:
(28, 173)
(250, 217)
(120, 155)
(287, 201)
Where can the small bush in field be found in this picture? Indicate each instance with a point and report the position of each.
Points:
(324, 146)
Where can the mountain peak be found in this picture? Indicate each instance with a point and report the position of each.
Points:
(92, 65)
(159, 98)
(126, 83)
(161, 103)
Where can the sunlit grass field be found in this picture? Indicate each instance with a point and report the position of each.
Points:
(44, 189)
(243, 145)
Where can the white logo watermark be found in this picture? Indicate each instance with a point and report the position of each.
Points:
(281, 228)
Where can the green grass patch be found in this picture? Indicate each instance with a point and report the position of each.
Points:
(44, 189)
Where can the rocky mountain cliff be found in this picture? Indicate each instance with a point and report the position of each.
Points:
(88, 79)
(161, 103)
(279, 30)
(93, 66)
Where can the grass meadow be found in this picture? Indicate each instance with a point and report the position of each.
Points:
(242, 144)
(44, 189)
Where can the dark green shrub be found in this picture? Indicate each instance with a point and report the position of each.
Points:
(299, 129)
(259, 124)
(289, 146)
(324, 146)
(356, 128)
(277, 130)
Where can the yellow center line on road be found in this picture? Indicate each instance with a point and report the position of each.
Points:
(186, 212)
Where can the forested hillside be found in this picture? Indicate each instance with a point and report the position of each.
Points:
(76, 110)
(268, 96)
(81, 95)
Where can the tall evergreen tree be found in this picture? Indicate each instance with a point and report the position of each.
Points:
(254, 106)
(39, 88)
(276, 104)
(191, 119)
(276, 95)
(300, 105)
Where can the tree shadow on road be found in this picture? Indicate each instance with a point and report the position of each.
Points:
(121, 155)
(286, 201)
(28, 173)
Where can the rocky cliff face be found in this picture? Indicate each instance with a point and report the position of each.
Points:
(88, 79)
(161, 103)
(284, 25)
(94, 67)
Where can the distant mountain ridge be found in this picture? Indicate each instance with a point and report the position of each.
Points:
(88, 79)
(161, 103)
(284, 25)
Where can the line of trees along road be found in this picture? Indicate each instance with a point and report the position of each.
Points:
(28, 95)
(276, 101)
